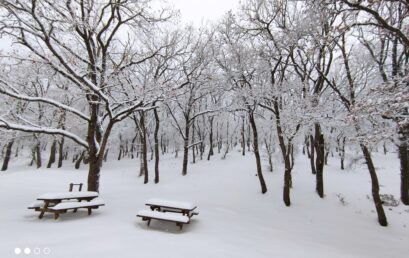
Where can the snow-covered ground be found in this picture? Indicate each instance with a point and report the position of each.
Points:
(235, 219)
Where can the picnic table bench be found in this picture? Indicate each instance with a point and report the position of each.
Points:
(167, 210)
(58, 203)
(148, 215)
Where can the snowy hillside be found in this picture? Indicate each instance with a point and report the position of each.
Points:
(235, 219)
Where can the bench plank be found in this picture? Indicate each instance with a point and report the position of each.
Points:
(67, 195)
(37, 204)
(173, 217)
(76, 205)
(171, 204)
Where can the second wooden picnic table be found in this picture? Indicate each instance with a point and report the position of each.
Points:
(52, 199)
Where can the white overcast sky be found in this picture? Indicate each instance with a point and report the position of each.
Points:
(191, 11)
(197, 10)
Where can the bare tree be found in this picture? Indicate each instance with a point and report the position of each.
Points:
(75, 39)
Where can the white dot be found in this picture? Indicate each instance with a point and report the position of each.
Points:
(27, 250)
(17, 251)
(46, 250)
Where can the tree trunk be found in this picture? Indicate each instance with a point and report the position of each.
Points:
(53, 151)
(286, 158)
(307, 146)
(404, 169)
(319, 165)
(270, 154)
(243, 140)
(186, 147)
(342, 153)
(144, 148)
(106, 155)
(7, 156)
(185, 157)
(79, 160)
(17, 152)
(257, 154)
(33, 156)
(210, 138)
(38, 155)
(120, 152)
(156, 139)
(326, 157)
(193, 146)
(94, 173)
(375, 186)
(60, 152)
(312, 155)
(287, 182)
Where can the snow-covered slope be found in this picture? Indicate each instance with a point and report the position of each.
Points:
(235, 219)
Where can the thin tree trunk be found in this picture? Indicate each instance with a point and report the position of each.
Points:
(53, 151)
(193, 146)
(307, 146)
(243, 140)
(257, 154)
(342, 153)
(186, 146)
(319, 165)
(185, 157)
(106, 155)
(33, 156)
(156, 139)
(326, 157)
(38, 155)
(79, 160)
(286, 158)
(375, 186)
(60, 152)
(17, 152)
(7, 156)
(312, 155)
(404, 169)
(144, 148)
(210, 138)
(270, 154)
(120, 152)
(385, 150)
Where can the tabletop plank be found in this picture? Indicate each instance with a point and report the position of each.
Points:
(171, 204)
(67, 195)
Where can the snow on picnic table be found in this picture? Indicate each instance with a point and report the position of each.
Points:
(171, 204)
(164, 215)
(66, 195)
(236, 220)
(72, 205)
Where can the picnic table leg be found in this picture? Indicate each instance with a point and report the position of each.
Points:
(43, 209)
(180, 225)
(56, 215)
(75, 210)
(89, 211)
(149, 222)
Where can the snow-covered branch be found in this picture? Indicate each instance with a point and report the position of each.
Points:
(44, 100)
(45, 130)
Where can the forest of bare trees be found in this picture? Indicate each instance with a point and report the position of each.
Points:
(86, 81)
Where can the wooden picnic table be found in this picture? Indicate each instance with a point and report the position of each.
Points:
(163, 209)
(52, 199)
